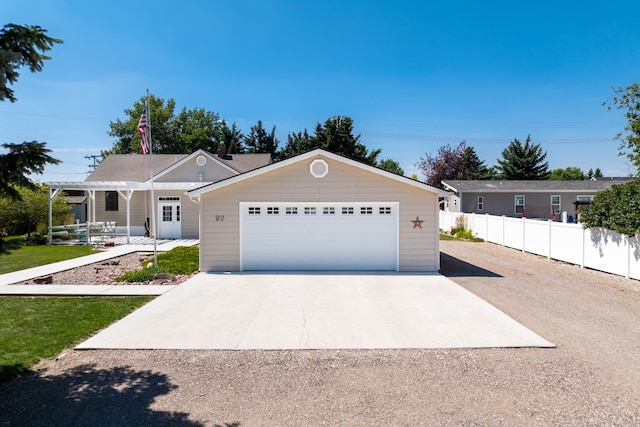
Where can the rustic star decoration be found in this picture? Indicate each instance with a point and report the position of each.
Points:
(417, 223)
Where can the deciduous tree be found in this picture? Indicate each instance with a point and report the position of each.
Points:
(617, 208)
(23, 216)
(628, 99)
(570, 173)
(447, 164)
(185, 132)
(391, 165)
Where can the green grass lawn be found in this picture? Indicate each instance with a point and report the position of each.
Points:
(20, 256)
(32, 328)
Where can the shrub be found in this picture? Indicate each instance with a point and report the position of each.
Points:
(180, 260)
(144, 275)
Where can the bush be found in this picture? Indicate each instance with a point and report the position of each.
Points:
(180, 260)
(144, 275)
(617, 208)
(460, 231)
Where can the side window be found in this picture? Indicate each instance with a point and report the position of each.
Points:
(519, 204)
(110, 200)
(480, 203)
(555, 204)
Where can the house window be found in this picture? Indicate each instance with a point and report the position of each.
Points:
(309, 210)
(585, 198)
(366, 210)
(555, 204)
(385, 210)
(347, 211)
(273, 210)
(254, 211)
(291, 211)
(519, 204)
(110, 200)
(480, 203)
(328, 211)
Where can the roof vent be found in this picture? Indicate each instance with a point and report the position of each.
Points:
(319, 168)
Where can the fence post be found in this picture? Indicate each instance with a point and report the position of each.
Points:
(503, 221)
(486, 227)
(549, 247)
(584, 232)
(524, 233)
(628, 273)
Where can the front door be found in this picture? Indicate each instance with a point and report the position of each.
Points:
(170, 225)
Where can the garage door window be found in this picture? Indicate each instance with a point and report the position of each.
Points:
(273, 210)
(310, 210)
(328, 211)
(291, 211)
(385, 210)
(254, 210)
(347, 211)
(366, 210)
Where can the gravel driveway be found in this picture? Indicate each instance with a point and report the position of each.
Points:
(591, 378)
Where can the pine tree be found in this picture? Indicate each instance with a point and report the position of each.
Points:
(259, 141)
(523, 161)
(474, 168)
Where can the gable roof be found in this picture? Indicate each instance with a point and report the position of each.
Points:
(135, 167)
(307, 156)
(132, 167)
(192, 156)
(530, 186)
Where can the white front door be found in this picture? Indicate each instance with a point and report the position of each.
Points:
(169, 221)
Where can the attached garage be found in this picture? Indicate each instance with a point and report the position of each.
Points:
(319, 236)
(318, 211)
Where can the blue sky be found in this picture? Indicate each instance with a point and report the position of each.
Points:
(413, 75)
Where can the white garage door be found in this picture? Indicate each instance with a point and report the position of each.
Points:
(319, 236)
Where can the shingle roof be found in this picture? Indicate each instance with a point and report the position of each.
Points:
(132, 167)
(497, 186)
(246, 162)
(135, 167)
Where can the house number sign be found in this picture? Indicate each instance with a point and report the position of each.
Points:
(219, 217)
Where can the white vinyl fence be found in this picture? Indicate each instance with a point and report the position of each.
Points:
(594, 248)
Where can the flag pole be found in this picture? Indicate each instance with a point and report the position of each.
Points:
(153, 197)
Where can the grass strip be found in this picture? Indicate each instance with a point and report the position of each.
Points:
(32, 328)
(33, 256)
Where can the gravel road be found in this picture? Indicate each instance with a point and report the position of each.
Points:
(591, 378)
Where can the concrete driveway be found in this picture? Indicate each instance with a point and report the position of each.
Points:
(302, 310)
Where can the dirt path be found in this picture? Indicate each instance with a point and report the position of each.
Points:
(592, 378)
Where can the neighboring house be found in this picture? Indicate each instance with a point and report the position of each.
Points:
(318, 211)
(119, 189)
(543, 199)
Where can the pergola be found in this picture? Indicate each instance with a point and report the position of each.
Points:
(124, 188)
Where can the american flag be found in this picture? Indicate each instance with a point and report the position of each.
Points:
(144, 132)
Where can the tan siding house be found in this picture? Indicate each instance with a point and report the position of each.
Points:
(318, 211)
(120, 190)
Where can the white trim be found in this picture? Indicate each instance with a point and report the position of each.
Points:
(394, 205)
(190, 157)
(306, 156)
(323, 164)
(515, 204)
